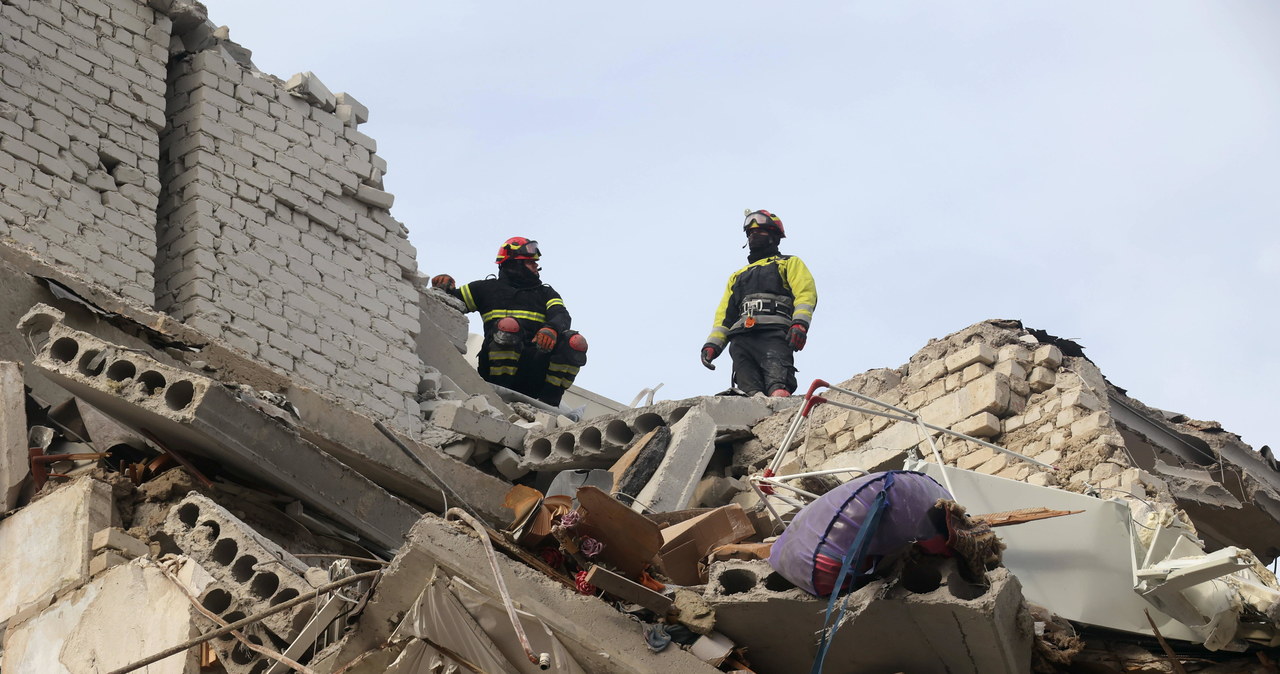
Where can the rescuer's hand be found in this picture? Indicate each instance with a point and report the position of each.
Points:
(709, 353)
(797, 337)
(545, 340)
(443, 282)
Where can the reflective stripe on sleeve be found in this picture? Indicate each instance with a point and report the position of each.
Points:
(514, 313)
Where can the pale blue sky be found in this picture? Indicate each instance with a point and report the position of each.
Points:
(1103, 171)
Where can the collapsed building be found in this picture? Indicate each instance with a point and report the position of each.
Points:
(228, 400)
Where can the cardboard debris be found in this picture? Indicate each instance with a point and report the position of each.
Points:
(686, 544)
(630, 540)
(743, 551)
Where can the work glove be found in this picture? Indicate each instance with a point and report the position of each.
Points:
(545, 340)
(797, 336)
(443, 282)
(709, 353)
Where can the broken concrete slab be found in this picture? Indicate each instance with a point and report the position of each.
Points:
(47, 543)
(83, 631)
(583, 624)
(253, 572)
(355, 441)
(953, 626)
(200, 415)
(453, 416)
(13, 434)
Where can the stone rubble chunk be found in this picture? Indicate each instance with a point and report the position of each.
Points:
(981, 425)
(375, 197)
(1047, 356)
(116, 539)
(358, 111)
(1041, 379)
(974, 353)
(309, 87)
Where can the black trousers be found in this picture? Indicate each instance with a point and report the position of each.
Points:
(523, 368)
(762, 361)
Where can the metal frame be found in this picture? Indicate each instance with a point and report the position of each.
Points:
(765, 483)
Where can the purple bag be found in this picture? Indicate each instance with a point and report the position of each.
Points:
(810, 551)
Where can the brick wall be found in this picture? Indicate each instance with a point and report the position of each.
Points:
(81, 108)
(994, 382)
(275, 236)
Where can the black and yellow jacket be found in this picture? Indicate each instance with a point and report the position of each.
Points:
(532, 304)
(770, 293)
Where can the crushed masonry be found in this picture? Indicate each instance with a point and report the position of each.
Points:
(211, 317)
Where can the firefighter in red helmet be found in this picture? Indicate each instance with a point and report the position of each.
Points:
(528, 346)
(765, 312)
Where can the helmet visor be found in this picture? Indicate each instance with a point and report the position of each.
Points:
(758, 219)
(529, 250)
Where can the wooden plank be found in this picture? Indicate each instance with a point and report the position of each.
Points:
(633, 593)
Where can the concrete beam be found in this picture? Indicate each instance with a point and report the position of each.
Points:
(13, 434)
(673, 483)
(198, 415)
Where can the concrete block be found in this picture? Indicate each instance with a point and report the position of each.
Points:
(835, 424)
(46, 544)
(981, 425)
(989, 393)
(374, 197)
(462, 450)
(922, 375)
(1011, 369)
(83, 631)
(972, 372)
(470, 423)
(13, 434)
(673, 483)
(974, 353)
(976, 458)
(994, 465)
(1106, 470)
(309, 87)
(1090, 424)
(1041, 379)
(1082, 399)
(1015, 353)
(116, 539)
(1047, 356)
(105, 560)
(358, 110)
(507, 461)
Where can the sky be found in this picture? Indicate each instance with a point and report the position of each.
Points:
(1104, 171)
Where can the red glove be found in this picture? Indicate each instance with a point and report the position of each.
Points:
(797, 337)
(545, 340)
(443, 282)
(709, 353)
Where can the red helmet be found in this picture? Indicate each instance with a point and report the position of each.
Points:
(766, 220)
(518, 248)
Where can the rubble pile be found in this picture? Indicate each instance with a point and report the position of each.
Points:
(238, 433)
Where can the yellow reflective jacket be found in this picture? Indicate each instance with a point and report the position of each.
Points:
(771, 293)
